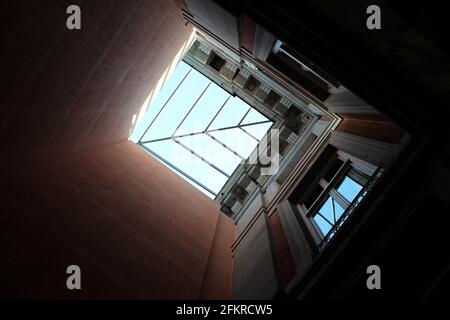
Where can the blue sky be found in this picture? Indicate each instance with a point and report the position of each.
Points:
(187, 88)
(347, 188)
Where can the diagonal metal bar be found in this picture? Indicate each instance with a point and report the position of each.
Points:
(240, 126)
(195, 103)
(206, 131)
(246, 113)
(177, 169)
(248, 133)
(224, 145)
(217, 113)
(323, 217)
(167, 101)
(334, 209)
(201, 158)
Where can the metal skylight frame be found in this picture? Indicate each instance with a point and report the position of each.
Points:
(207, 132)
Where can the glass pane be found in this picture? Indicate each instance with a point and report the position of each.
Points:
(231, 114)
(349, 188)
(189, 163)
(258, 130)
(212, 152)
(178, 106)
(237, 140)
(331, 210)
(204, 111)
(253, 116)
(176, 77)
(323, 225)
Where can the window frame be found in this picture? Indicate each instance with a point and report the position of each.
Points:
(330, 190)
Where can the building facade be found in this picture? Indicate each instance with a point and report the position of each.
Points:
(328, 138)
(353, 172)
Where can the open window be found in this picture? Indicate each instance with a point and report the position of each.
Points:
(329, 194)
(340, 186)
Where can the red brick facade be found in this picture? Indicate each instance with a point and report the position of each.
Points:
(247, 31)
(375, 127)
(285, 260)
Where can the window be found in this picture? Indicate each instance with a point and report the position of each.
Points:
(329, 192)
(299, 70)
(339, 186)
(281, 48)
(199, 130)
(349, 188)
(328, 214)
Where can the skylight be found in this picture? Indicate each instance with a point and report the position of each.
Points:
(199, 130)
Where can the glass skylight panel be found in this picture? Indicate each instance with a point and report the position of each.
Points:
(232, 113)
(176, 78)
(253, 116)
(199, 130)
(258, 130)
(178, 106)
(239, 141)
(197, 169)
(205, 110)
(212, 152)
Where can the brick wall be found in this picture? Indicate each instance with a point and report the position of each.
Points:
(377, 127)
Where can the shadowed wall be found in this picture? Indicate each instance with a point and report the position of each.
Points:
(134, 227)
(74, 190)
